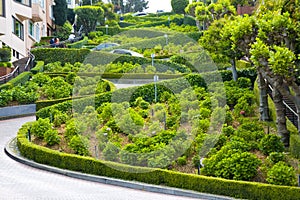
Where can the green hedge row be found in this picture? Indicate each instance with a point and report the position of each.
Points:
(237, 189)
(39, 67)
(145, 91)
(20, 79)
(111, 30)
(79, 44)
(64, 55)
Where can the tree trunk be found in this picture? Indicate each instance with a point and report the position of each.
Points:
(281, 119)
(263, 98)
(198, 24)
(234, 71)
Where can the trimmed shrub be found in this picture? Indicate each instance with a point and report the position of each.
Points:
(282, 174)
(40, 127)
(63, 55)
(5, 54)
(79, 44)
(295, 145)
(39, 67)
(51, 137)
(271, 143)
(80, 145)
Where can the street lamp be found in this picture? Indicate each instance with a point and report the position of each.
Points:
(155, 86)
(106, 27)
(166, 36)
(152, 57)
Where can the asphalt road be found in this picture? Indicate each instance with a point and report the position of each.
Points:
(21, 182)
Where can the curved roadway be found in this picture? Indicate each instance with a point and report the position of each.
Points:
(18, 181)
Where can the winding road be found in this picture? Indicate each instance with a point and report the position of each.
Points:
(18, 181)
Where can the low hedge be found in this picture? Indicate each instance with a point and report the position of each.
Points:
(39, 67)
(63, 55)
(20, 79)
(79, 44)
(110, 30)
(237, 189)
(295, 145)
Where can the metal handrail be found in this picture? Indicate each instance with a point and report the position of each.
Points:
(11, 74)
(286, 105)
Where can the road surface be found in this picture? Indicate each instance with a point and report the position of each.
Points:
(21, 182)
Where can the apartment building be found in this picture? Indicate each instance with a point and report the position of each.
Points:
(24, 22)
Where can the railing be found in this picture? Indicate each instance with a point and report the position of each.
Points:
(19, 69)
(290, 112)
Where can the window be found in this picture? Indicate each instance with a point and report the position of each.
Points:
(37, 32)
(2, 8)
(30, 28)
(18, 28)
(25, 2)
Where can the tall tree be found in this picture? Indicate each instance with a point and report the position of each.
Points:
(87, 16)
(135, 5)
(178, 6)
(60, 11)
(272, 42)
(214, 11)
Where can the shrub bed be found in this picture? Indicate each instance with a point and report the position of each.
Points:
(237, 189)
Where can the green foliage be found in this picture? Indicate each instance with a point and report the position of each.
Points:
(79, 44)
(40, 127)
(60, 12)
(63, 32)
(51, 55)
(276, 157)
(153, 176)
(295, 145)
(111, 151)
(60, 118)
(5, 54)
(178, 6)
(80, 144)
(182, 160)
(87, 16)
(271, 143)
(282, 174)
(51, 137)
(5, 97)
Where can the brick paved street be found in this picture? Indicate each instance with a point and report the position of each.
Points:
(18, 181)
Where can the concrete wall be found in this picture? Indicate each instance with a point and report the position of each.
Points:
(15, 111)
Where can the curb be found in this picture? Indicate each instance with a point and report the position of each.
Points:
(12, 151)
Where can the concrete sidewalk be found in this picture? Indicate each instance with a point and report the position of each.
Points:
(12, 151)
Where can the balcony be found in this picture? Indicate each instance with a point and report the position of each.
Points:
(22, 8)
(37, 13)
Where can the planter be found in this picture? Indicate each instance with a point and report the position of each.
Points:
(5, 70)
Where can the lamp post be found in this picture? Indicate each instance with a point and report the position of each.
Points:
(166, 36)
(152, 57)
(106, 28)
(155, 86)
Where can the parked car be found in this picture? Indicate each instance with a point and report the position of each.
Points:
(104, 45)
(127, 52)
(139, 14)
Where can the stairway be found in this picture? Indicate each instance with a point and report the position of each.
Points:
(290, 108)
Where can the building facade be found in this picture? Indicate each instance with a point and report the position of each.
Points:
(23, 23)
